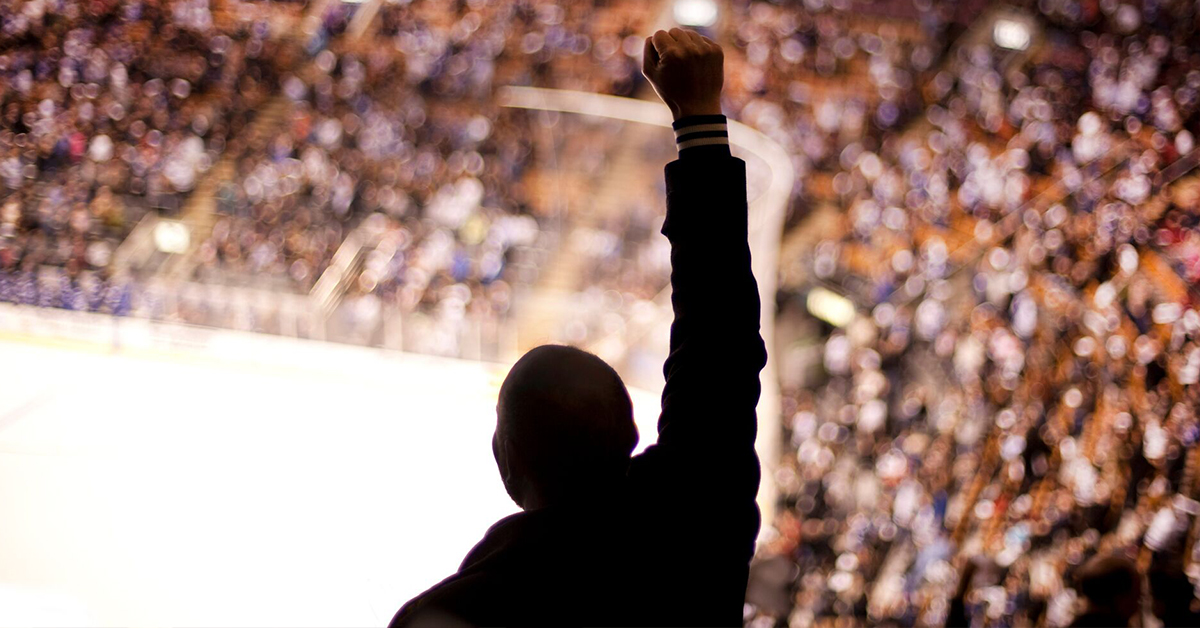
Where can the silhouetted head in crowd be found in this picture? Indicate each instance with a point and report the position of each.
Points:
(1112, 589)
(564, 427)
(1173, 594)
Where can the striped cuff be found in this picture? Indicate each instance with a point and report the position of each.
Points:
(694, 131)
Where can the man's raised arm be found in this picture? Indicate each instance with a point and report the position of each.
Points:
(708, 422)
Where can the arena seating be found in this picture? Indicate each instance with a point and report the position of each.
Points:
(110, 111)
(1017, 390)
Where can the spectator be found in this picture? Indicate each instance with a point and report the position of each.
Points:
(1112, 589)
(1173, 595)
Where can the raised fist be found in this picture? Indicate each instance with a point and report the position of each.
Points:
(687, 71)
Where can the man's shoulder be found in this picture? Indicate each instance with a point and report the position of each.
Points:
(447, 603)
(514, 559)
(455, 596)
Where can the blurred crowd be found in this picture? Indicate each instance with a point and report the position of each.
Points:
(394, 142)
(821, 75)
(1017, 397)
(470, 46)
(400, 139)
(111, 109)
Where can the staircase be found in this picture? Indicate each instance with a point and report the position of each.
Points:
(199, 212)
(547, 307)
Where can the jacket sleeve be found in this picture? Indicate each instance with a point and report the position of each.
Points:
(708, 423)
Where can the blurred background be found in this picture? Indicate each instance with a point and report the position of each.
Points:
(263, 265)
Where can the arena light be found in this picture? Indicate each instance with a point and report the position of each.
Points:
(830, 307)
(1011, 34)
(172, 237)
(695, 13)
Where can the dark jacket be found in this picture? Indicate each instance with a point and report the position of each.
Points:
(672, 546)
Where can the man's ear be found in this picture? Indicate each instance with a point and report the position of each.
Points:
(502, 452)
(501, 461)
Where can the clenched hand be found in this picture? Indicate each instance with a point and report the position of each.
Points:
(687, 71)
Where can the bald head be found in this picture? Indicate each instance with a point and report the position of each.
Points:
(564, 427)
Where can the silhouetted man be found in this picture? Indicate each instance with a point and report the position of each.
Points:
(664, 538)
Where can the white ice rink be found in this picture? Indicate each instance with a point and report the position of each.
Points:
(189, 487)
